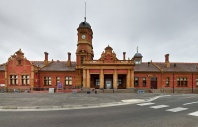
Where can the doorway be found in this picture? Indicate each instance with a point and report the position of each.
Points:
(108, 81)
(153, 83)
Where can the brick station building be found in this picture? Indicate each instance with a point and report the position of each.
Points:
(105, 73)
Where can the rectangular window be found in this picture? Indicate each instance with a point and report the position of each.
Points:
(144, 81)
(47, 81)
(182, 81)
(97, 82)
(185, 82)
(178, 81)
(197, 81)
(82, 59)
(25, 79)
(68, 81)
(136, 81)
(57, 80)
(13, 80)
(167, 81)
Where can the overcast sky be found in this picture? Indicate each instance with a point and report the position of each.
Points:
(157, 27)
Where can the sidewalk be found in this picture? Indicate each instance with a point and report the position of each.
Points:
(64, 100)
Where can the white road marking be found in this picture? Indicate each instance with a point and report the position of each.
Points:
(155, 98)
(177, 109)
(190, 103)
(133, 101)
(159, 106)
(194, 113)
(144, 104)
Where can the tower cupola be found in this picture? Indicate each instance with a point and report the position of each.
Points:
(137, 57)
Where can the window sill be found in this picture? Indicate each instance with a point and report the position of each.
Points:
(181, 86)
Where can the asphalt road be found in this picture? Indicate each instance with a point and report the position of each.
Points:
(169, 111)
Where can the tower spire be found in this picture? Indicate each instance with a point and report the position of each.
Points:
(85, 11)
(137, 49)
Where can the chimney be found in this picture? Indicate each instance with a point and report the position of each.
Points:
(148, 64)
(167, 63)
(124, 53)
(69, 59)
(46, 58)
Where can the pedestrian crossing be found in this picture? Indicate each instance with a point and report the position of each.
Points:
(159, 106)
(174, 110)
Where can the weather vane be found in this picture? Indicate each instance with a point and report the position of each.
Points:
(85, 11)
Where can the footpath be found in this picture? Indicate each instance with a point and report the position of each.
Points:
(65, 101)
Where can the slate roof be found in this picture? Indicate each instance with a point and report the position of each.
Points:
(84, 24)
(144, 67)
(153, 67)
(59, 66)
(2, 67)
(38, 63)
(180, 67)
(158, 67)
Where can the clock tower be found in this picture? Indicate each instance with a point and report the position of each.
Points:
(84, 45)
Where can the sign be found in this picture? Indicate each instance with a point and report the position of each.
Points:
(59, 85)
(2, 85)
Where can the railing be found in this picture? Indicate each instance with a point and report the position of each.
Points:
(55, 88)
(37, 89)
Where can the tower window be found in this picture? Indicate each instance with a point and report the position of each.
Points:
(137, 62)
(82, 59)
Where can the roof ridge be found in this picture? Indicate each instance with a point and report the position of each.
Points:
(36, 61)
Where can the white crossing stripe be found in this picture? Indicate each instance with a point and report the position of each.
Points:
(191, 103)
(144, 104)
(194, 113)
(159, 106)
(177, 109)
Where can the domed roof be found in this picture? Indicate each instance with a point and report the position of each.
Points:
(108, 48)
(138, 54)
(84, 24)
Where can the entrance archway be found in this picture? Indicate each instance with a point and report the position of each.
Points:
(108, 81)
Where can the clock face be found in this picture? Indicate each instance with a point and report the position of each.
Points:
(83, 36)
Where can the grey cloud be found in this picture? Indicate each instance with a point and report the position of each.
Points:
(157, 27)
